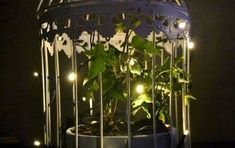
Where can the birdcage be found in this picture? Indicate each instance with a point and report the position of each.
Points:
(115, 73)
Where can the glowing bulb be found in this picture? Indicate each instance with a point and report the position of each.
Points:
(35, 74)
(93, 122)
(167, 125)
(140, 88)
(84, 99)
(37, 143)
(190, 45)
(72, 76)
(60, 38)
(182, 25)
(186, 132)
(132, 62)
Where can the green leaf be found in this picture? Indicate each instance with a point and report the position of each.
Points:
(98, 61)
(138, 43)
(112, 55)
(164, 87)
(137, 23)
(94, 87)
(89, 52)
(120, 27)
(187, 98)
(144, 46)
(162, 117)
(136, 69)
(135, 111)
(148, 80)
(97, 66)
(178, 60)
(108, 83)
(166, 65)
(99, 50)
(151, 50)
(116, 94)
(141, 99)
(89, 95)
(145, 109)
(91, 85)
(180, 80)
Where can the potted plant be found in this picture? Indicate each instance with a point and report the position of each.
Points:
(135, 59)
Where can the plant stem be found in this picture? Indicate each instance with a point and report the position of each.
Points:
(114, 110)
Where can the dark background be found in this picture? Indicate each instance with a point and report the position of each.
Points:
(213, 70)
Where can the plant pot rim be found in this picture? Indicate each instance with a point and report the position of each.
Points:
(69, 132)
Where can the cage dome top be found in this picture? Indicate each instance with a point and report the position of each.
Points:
(142, 16)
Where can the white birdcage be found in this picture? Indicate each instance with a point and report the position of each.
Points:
(139, 35)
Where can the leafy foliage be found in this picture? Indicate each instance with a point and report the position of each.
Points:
(114, 65)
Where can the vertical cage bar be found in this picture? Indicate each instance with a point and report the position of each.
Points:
(170, 95)
(101, 102)
(176, 96)
(171, 90)
(45, 127)
(176, 115)
(76, 98)
(91, 39)
(58, 98)
(75, 92)
(162, 56)
(48, 99)
(74, 89)
(128, 83)
(184, 87)
(101, 113)
(75, 82)
(153, 94)
(188, 105)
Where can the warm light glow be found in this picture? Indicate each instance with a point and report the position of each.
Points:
(186, 132)
(37, 143)
(84, 99)
(60, 38)
(190, 45)
(72, 77)
(182, 25)
(35, 74)
(91, 106)
(132, 62)
(93, 122)
(167, 125)
(139, 88)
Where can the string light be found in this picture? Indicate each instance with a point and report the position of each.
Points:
(190, 45)
(182, 25)
(60, 38)
(36, 143)
(139, 88)
(72, 77)
(35, 74)
(84, 99)
(132, 62)
(186, 132)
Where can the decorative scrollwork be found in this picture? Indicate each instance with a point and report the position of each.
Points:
(106, 17)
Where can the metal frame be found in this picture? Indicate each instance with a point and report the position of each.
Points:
(58, 98)
(46, 94)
